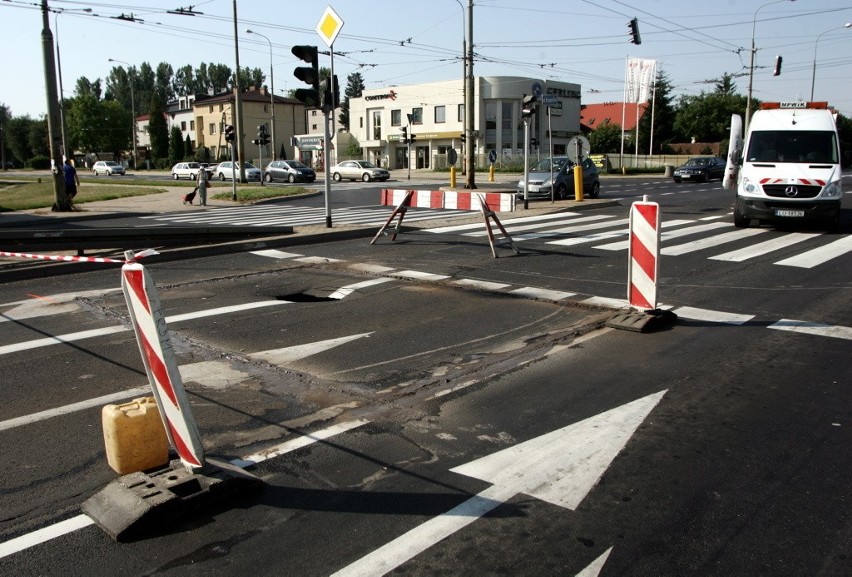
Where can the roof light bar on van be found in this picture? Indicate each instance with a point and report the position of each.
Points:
(797, 104)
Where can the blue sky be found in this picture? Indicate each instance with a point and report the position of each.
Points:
(398, 42)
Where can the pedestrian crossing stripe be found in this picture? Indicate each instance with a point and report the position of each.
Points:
(572, 229)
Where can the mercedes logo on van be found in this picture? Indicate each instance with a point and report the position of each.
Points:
(791, 191)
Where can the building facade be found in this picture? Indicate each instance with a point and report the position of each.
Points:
(215, 112)
(434, 114)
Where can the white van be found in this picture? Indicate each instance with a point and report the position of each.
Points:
(788, 167)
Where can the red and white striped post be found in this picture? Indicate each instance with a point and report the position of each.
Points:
(158, 355)
(644, 254)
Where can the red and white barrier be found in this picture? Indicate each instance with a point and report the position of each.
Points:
(450, 199)
(152, 335)
(644, 255)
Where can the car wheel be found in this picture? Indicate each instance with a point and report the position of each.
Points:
(267, 177)
(336, 177)
(366, 177)
(561, 192)
(191, 177)
(291, 179)
(596, 190)
(94, 173)
(740, 219)
(676, 179)
(175, 176)
(222, 176)
(706, 177)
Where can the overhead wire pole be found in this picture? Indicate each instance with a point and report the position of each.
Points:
(238, 102)
(61, 200)
(470, 147)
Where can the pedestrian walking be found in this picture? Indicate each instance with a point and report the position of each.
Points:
(203, 183)
(72, 181)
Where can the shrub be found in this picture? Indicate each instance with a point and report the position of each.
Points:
(39, 163)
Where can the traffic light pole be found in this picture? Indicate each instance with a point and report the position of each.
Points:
(325, 150)
(233, 173)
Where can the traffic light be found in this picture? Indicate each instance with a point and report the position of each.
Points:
(634, 31)
(777, 71)
(462, 137)
(404, 137)
(412, 137)
(230, 135)
(335, 91)
(528, 105)
(326, 95)
(262, 135)
(308, 96)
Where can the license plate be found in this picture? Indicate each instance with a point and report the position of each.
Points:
(534, 188)
(790, 213)
(686, 176)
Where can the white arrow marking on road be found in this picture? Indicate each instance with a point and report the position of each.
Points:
(560, 467)
(594, 568)
(289, 354)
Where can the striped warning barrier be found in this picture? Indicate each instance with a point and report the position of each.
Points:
(158, 356)
(644, 254)
(449, 199)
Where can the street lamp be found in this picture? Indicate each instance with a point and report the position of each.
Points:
(132, 105)
(813, 77)
(466, 141)
(272, 87)
(751, 60)
(56, 13)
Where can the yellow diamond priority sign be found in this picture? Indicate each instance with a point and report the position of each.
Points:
(329, 26)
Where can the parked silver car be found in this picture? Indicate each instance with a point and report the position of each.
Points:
(107, 167)
(358, 170)
(225, 171)
(561, 168)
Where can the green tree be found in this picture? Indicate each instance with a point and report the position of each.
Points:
(158, 131)
(175, 145)
(726, 85)
(354, 89)
(606, 138)
(17, 131)
(83, 121)
(707, 117)
(187, 147)
(163, 82)
(38, 138)
(115, 129)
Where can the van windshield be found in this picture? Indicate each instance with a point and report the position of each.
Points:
(793, 146)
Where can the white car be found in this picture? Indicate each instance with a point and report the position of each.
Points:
(188, 170)
(358, 170)
(225, 171)
(107, 167)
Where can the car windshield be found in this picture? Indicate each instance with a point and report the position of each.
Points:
(111, 163)
(697, 162)
(367, 164)
(545, 165)
(295, 164)
(792, 146)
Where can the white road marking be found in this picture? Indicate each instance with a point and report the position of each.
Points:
(463, 227)
(73, 408)
(765, 247)
(40, 306)
(480, 284)
(560, 467)
(819, 329)
(275, 253)
(711, 241)
(541, 293)
(283, 356)
(59, 339)
(418, 275)
(50, 532)
(820, 255)
(712, 316)
(347, 290)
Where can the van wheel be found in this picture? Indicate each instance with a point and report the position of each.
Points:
(740, 220)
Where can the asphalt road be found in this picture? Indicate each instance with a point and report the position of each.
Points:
(456, 413)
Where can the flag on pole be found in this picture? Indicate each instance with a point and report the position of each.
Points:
(640, 78)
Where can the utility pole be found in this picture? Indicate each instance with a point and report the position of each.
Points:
(238, 103)
(470, 146)
(61, 201)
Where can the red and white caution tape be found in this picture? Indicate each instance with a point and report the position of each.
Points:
(129, 255)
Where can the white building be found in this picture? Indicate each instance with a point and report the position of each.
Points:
(437, 120)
